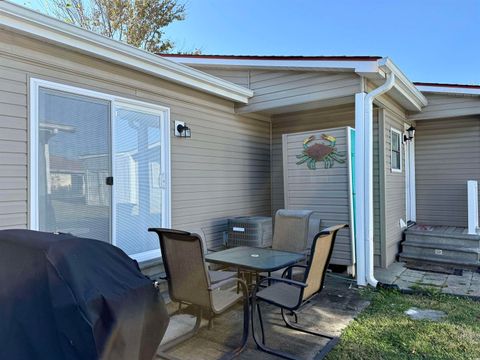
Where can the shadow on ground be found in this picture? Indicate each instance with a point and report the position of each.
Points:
(330, 312)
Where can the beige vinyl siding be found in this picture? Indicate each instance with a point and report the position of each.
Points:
(283, 88)
(324, 190)
(222, 171)
(447, 155)
(394, 190)
(441, 106)
(13, 149)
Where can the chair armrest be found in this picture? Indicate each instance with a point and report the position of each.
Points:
(293, 266)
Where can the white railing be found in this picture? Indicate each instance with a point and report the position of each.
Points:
(472, 186)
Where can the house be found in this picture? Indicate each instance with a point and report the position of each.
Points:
(89, 143)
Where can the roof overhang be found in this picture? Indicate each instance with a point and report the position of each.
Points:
(372, 68)
(33, 24)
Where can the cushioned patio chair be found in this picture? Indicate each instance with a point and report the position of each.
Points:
(189, 282)
(290, 295)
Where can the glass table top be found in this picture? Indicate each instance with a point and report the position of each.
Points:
(259, 259)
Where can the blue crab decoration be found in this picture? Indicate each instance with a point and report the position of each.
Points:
(314, 153)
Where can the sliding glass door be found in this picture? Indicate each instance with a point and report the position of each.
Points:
(139, 184)
(99, 167)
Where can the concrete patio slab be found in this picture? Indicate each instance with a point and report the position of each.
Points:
(330, 312)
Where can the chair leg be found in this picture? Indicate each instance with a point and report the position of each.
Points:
(261, 323)
(261, 344)
(290, 325)
(169, 345)
(333, 340)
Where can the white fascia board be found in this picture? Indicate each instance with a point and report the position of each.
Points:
(403, 84)
(448, 90)
(33, 24)
(311, 65)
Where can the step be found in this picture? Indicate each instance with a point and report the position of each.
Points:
(439, 233)
(440, 261)
(450, 252)
(441, 239)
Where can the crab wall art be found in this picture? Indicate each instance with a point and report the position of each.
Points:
(316, 152)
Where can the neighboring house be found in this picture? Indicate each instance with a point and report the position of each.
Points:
(74, 104)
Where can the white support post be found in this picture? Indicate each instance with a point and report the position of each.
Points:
(472, 186)
(360, 187)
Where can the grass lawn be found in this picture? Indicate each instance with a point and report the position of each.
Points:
(383, 331)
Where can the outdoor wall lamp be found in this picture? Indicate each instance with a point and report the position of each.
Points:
(182, 130)
(411, 134)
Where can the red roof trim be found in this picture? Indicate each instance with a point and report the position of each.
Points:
(447, 85)
(258, 57)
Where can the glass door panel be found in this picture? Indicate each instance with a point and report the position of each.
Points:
(138, 181)
(73, 163)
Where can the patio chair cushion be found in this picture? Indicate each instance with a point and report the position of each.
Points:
(281, 294)
(223, 299)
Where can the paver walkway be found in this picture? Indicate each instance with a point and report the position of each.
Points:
(468, 284)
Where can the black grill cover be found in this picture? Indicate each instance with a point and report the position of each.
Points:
(64, 297)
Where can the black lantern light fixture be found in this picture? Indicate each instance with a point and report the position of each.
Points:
(410, 134)
(182, 130)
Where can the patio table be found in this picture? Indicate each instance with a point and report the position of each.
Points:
(255, 259)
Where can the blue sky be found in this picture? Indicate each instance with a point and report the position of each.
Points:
(433, 41)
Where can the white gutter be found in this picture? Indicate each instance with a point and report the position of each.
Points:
(364, 184)
(21, 20)
(402, 84)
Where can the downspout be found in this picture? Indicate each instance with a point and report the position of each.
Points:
(368, 184)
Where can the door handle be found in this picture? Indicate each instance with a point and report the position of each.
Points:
(109, 180)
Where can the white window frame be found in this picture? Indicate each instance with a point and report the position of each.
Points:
(115, 102)
(400, 142)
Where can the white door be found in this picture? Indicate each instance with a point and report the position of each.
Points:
(410, 179)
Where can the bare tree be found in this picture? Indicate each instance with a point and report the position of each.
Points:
(139, 23)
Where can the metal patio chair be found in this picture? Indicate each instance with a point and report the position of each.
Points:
(189, 282)
(215, 275)
(290, 295)
(294, 231)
